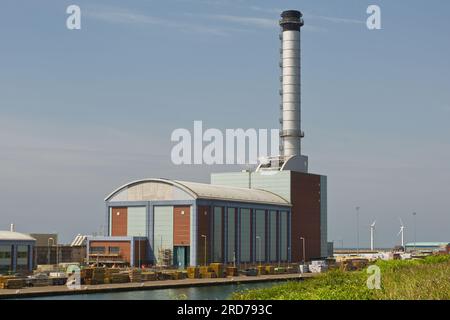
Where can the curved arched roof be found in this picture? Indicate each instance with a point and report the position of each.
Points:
(15, 236)
(196, 190)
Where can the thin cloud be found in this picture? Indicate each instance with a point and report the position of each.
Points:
(336, 19)
(122, 16)
(245, 20)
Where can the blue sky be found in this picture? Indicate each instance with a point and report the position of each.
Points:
(82, 112)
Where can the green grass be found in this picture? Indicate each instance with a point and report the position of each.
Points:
(400, 279)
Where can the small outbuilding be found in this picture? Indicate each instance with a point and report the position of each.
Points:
(16, 252)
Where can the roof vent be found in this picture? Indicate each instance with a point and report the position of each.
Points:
(12, 228)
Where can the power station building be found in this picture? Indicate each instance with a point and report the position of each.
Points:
(275, 214)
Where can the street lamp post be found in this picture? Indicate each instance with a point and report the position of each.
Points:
(303, 249)
(357, 230)
(203, 236)
(139, 251)
(48, 247)
(415, 231)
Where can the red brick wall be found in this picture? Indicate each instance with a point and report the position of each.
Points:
(119, 222)
(124, 246)
(181, 225)
(305, 221)
(143, 247)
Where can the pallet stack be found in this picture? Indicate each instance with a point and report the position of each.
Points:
(270, 269)
(15, 283)
(193, 272)
(120, 277)
(261, 270)
(4, 280)
(232, 272)
(135, 275)
(149, 276)
(109, 274)
(218, 269)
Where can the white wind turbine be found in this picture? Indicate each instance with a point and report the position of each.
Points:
(372, 231)
(402, 232)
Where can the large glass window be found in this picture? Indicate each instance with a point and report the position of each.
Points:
(114, 250)
(22, 255)
(245, 235)
(97, 250)
(260, 236)
(273, 235)
(231, 234)
(283, 235)
(5, 258)
(217, 249)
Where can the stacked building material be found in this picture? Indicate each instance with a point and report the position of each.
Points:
(279, 270)
(193, 272)
(98, 276)
(39, 280)
(270, 269)
(4, 280)
(318, 266)
(208, 275)
(109, 273)
(135, 275)
(218, 269)
(16, 283)
(261, 270)
(121, 277)
(232, 271)
(204, 269)
(148, 276)
(58, 281)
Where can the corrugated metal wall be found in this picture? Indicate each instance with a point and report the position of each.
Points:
(137, 221)
(163, 229)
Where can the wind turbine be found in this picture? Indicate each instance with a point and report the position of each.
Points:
(402, 232)
(372, 230)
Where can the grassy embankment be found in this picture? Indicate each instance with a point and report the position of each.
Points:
(400, 279)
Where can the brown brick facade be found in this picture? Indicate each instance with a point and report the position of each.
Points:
(181, 225)
(204, 216)
(305, 221)
(119, 222)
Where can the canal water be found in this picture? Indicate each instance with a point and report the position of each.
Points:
(216, 292)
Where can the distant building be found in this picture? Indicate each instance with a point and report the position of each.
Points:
(16, 252)
(49, 251)
(45, 239)
(428, 247)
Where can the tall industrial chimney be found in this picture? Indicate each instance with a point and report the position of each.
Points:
(291, 133)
